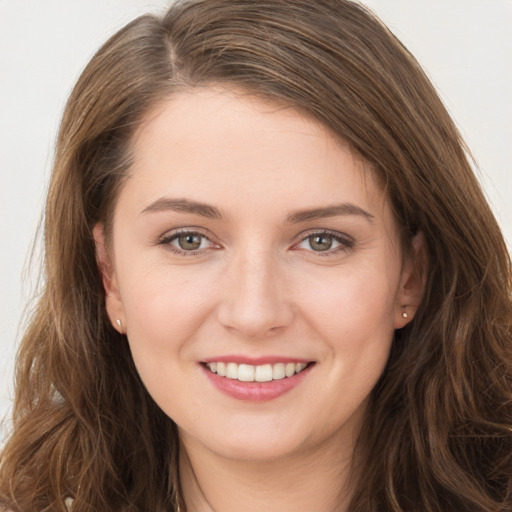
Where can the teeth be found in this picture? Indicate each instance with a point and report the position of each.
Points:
(245, 372)
(261, 373)
(221, 369)
(232, 371)
(278, 371)
(289, 369)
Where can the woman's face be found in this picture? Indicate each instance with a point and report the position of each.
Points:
(248, 240)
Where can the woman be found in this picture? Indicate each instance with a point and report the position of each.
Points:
(272, 280)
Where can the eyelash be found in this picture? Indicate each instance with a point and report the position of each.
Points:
(169, 238)
(346, 243)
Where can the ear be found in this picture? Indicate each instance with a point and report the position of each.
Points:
(113, 302)
(413, 281)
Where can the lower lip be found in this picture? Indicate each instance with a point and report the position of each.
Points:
(256, 391)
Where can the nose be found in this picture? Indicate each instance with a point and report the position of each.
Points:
(254, 297)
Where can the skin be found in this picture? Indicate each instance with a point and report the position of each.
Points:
(256, 287)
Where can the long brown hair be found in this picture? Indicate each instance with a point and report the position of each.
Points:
(438, 432)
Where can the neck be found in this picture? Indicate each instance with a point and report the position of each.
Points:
(315, 480)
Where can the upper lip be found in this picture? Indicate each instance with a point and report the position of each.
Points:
(255, 361)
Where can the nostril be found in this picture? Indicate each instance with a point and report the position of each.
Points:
(255, 318)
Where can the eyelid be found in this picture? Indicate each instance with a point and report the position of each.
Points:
(171, 235)
(346, 242)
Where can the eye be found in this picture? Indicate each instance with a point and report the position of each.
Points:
(320, 242)
(187, 242)
(325, 242)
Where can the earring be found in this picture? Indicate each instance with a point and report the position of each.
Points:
(118, 322)
(405, 315)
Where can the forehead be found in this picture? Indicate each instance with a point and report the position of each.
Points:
(224, 146)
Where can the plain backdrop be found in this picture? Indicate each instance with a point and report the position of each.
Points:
(464, 45)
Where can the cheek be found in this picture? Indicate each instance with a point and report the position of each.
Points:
(351, 303)
(164, 307)
(353, 318)
(163, 312)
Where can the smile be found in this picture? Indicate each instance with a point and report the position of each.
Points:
(260, 373)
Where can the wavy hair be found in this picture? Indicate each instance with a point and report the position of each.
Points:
(438, 431)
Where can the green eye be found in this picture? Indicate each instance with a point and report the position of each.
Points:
(320, 242)
(189, 241)
(326, 242)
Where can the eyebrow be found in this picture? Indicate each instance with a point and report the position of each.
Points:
(211, 212)
(328, 211)
(184, 206)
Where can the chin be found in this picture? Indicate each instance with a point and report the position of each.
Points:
(258, 441)
(257, 451)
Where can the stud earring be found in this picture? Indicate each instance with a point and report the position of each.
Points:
(405, 315)
(118, 322)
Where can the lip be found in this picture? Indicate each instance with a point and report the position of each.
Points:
(256, 391)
